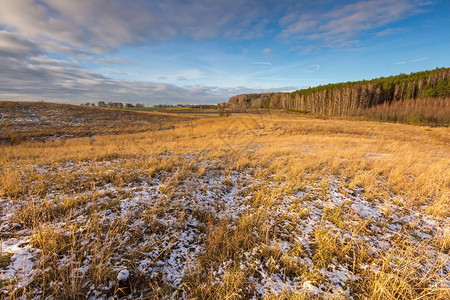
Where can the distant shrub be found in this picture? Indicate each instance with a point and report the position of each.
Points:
(298, 111)
(223, 113)
(415, 119)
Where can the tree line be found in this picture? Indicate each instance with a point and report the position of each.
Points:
(113, 104)
(355, 98)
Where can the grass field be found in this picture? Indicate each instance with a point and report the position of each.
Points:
(39, 121)
(154, 108)
(267, 205)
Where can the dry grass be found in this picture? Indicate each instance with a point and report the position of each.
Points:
(412, 111)
(25, 121)
(279, 206)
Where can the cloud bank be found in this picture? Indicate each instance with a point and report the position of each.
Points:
(42, 42)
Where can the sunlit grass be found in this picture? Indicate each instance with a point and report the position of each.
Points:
(285, 173)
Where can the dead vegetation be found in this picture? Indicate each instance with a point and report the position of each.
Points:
(40, 121)
(269, 205)
(420, 111)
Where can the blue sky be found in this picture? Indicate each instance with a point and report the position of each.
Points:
(205, 51)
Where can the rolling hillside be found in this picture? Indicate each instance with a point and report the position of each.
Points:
(40, 121)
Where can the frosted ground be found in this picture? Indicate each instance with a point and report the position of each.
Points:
(36, 121)
(154, 229)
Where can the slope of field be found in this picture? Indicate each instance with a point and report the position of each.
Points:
(22, 121)
(247, 206)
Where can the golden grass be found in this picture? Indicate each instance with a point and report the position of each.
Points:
(401, 166)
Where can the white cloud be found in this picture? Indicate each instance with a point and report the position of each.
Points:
(11, 45)
(389, 31)
(304, 23)
(83, 24)
(412, 61)
(262, 63)
(345, 22)
(421, 59)
(113, 60)
(311, 68)
(103, 25)
(267, 51)
(182, 78)
(115, 73)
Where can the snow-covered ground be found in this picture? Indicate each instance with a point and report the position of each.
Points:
(155, 227)
(27, 121)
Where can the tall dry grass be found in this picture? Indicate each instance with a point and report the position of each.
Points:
(406, 164)
(429, 111)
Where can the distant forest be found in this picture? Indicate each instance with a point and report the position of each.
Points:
(417, 98)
